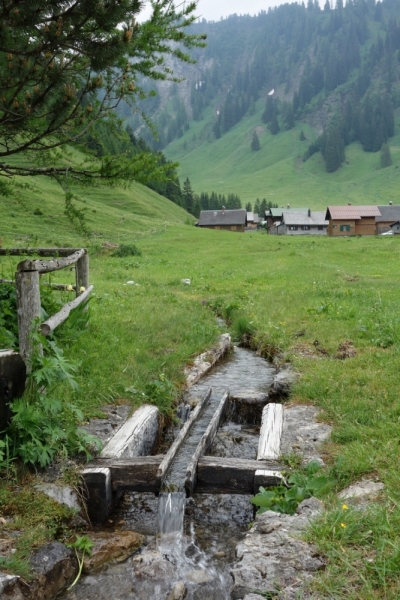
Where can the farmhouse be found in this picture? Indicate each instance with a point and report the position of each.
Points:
(303, 223)
(352, 220)
(275, 215)
(232, 220)
(252, 220)
(388, 217)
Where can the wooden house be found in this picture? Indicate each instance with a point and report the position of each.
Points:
(352, 220)
(252, 221)
(231, 220)
(390, 214)
(275, 215)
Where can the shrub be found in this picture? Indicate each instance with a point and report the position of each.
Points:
(126, 250)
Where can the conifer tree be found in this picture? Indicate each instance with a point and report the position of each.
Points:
(188, 196)
(65, 65)
(386, 158)
(257, 207)
(255, 142)
(248, 207)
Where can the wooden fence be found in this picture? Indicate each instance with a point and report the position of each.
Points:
(28, 288)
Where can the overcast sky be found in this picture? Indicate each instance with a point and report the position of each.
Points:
(213, 10)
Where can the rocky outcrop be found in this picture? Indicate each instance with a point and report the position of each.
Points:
(273, 559)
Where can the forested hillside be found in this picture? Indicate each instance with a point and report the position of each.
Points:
(330, 73)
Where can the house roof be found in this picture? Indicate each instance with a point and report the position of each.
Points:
(312, 217)
(389, 213)
(350, 212)
(278, 212)
(219, 217)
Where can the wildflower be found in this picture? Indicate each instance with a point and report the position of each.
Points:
(69, 288)
(82, 288)
(343, 525)
(345, 507)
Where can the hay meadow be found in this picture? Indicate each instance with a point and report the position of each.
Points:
(301, 298)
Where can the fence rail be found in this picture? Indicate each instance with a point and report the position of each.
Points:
(28, 287)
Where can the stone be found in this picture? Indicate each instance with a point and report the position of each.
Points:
(272, 559)
(178, 593)
(111, 546)
(9, 587)
(302, 433)
(152, 565)
(199, 576)
(54, 567)
(62, 494)
(283, 382)
(362, 489)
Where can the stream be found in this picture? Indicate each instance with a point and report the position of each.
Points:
(190, 543)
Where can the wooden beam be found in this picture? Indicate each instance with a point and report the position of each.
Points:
(136, 437)
(204, 444)
(97, 483)
(37, 251)
(50, 325)
(82, 273)
(138, 474)
(233, 475)
(169, 457)
(47, 266)
(271, 431)
(266, 478)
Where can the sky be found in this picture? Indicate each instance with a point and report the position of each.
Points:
(213, 10)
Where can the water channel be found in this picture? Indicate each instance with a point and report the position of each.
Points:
(190, 543)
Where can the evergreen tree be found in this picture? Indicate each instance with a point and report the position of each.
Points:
(274, 125)
(257, 207)
(255, 142)
(386, 158)
(302, 137)
(263, 208)
(188, 196)
(248, 207)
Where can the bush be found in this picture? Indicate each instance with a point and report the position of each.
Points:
(126, 250)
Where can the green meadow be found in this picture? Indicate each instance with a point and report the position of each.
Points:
(302, 297)
(277, 172)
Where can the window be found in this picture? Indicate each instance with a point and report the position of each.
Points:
(345, 228)
(305, 227)
(320, 227)
(292, 228)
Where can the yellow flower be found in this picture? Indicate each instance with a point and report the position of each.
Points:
(69, 288)
(343, 525)
(345, 507)
(82, 288)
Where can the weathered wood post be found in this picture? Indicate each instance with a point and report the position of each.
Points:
(28, 304)
(82, 273)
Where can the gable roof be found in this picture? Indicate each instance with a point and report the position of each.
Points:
(278, 212)
(226, 217)
(350, 212)
(312, 217)
(388, 213)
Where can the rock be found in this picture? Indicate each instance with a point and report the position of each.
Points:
(362, 489)
(310, 507)
(152, 565)
(283, 383)
(62, 494)
(178, 593)
(9, 587)
(302, 433)
(111, 546)
(54, 566)
(272, 559)
(199, 576)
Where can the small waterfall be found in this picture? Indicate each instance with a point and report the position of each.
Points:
(171, 510)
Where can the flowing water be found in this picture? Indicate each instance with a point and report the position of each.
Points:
(190, 542)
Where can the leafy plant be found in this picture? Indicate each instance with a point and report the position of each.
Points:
(44, 423)
(160, 392)
(82, 545)
(300, 485)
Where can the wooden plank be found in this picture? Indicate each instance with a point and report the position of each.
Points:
(231, 475)
(266, 478)
(205, 443)
(271, 432)
(38, 251)
(136, 437)
(28, 303)
(138, 474)
(47, 266)
(50, 325)
(169, 457)
(65, 287)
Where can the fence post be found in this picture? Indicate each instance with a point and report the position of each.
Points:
(28, 304)
(82, 273)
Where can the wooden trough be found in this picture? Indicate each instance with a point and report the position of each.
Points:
(108, 476)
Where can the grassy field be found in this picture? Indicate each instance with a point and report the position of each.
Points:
(302, 296)
(277, 171)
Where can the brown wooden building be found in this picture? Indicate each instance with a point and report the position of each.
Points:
(352, 220)
(231, 220)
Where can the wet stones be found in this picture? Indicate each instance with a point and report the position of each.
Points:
(54, 566)
(111, 546)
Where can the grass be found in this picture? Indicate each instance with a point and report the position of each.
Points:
(277, 171)
(304, 296)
